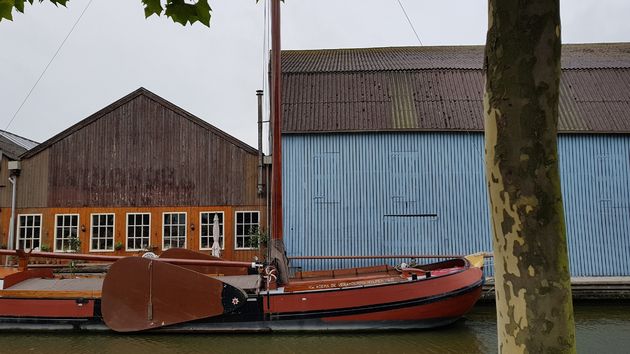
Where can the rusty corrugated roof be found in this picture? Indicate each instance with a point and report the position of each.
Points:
(440, 88)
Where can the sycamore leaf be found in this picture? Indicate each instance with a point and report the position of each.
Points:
(59, 2)
(152, 7)
(6, 7)
(19, 5)
(180, 11)
(203, 12)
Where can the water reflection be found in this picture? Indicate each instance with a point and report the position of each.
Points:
(600, 329)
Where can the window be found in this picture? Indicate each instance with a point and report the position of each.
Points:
(29, 231)
(246, 227)
(67, 232)
(174, 230)
(102, 235)
(138, 231)
(207, 227)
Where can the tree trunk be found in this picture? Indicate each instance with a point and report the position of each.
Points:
(533, 289)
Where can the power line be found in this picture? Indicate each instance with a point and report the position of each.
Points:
(48, 65)
(409, 21)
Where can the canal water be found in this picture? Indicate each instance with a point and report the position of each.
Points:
(600, 329)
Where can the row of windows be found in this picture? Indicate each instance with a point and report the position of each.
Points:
(138, 236)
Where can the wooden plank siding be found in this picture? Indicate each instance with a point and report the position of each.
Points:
(145, 154)
(139, 154)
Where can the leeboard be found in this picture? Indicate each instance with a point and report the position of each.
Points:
(141, 294)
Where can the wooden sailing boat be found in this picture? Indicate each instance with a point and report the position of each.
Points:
(184, 291)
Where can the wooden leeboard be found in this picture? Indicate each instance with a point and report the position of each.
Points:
(140, 294)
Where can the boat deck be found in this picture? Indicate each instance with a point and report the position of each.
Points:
(245, 282)
(87, 287)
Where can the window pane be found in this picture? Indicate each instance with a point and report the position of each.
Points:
(145, 219)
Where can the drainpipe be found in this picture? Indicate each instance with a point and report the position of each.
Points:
(14, 172)
(259, 93)
(10, 245)
(13, 181)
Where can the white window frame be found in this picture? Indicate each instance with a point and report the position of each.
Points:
(92, 232)
(127, 231)
(210, 225)
(57, 226)
(20, 226)
(164, 248)
(236, 227)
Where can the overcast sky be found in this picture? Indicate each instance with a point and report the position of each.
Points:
(214, 72)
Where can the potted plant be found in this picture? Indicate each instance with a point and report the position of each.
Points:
(259, 239)
(118, 246)
(74, 244)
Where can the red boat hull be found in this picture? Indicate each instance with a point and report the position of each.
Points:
(432, 300)
(425, 297)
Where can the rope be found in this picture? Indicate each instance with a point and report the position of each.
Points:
(48, 65)
(409, 21)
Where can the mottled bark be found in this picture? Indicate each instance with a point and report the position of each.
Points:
(534, 308)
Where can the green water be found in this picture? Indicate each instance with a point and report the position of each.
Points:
(600, 329)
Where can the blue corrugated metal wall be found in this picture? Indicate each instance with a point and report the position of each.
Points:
(425, 193)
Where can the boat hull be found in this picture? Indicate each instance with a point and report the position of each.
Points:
(423, 316)
(419, 304)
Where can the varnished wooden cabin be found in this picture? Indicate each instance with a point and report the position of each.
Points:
(140, 174)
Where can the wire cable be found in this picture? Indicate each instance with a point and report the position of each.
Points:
(48, 65)
(409, 21)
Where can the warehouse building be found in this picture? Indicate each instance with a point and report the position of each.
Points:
(140, 174)
(383, 154)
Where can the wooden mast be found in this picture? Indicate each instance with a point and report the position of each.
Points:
(276, 117)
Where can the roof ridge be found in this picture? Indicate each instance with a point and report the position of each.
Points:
(141, 91)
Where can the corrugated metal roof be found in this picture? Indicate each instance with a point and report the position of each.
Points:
(381, 89)
(574, 56)
(14, 145)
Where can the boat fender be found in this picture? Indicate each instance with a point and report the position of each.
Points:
(150, 255)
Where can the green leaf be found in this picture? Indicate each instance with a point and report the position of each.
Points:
(19, 5)
(181, 12)
(152, 7)
(6, 7)
(59, 2)
(203, 12)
